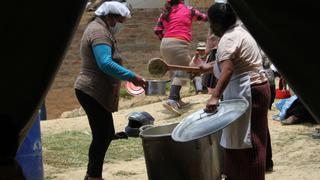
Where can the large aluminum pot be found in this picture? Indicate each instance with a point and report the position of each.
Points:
(156, 87)
(200, 159)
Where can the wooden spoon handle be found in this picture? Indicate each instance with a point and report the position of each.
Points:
(184, 68)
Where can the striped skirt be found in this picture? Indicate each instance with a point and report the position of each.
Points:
(249, 164)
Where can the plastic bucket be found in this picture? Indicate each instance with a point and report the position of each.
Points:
(169, 160)
(29, 154)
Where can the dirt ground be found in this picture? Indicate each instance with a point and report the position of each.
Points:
(295, 153)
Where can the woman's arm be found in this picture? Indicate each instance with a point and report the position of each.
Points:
(227, 70)
(159, 28)
(198, 16)
(103, 56)
(206, 68)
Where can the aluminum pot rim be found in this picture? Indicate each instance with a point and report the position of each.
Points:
(157, 80)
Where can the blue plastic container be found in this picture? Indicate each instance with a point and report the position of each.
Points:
(29, 154)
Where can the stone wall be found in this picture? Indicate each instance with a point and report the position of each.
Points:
(138, 45)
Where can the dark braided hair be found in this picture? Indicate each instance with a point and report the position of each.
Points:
(167, 8)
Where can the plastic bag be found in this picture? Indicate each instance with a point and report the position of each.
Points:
(284, 105)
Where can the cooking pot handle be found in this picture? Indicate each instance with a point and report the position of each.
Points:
(144, 127)
(207, 113)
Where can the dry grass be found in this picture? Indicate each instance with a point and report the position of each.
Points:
(69, 149)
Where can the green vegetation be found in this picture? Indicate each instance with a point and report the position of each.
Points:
(50, 177)
(124, 173)
(70, 149)
(124, 94)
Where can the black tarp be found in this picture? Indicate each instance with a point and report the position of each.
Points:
(287, 32)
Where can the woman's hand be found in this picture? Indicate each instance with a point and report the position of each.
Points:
(212, 103)
(206, 68)
(139, 81)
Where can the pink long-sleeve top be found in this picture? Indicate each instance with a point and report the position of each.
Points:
(180, 22)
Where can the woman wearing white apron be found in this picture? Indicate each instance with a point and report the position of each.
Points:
(238, 68)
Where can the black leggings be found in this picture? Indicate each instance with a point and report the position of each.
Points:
(102, 128)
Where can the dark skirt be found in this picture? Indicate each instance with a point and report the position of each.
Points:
(249, 164)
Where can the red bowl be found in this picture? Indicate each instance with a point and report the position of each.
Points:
(133, 90)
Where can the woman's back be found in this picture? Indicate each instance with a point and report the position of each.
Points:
(238, 45)
(176, 22)
(180, 22)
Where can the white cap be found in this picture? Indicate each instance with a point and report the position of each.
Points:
(113, 7)
(201, 46)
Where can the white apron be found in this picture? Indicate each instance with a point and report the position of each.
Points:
(237, 134)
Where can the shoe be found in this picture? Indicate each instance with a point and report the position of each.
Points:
(172, 106)
(276, 117)
(183, 104)
(224, 177)
(291, 120)
(91, 178)
(316, 135)
(120, 135)
(269, 167)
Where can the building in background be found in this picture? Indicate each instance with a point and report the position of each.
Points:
(138, 44)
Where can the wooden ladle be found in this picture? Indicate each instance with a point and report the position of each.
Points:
(158, 67)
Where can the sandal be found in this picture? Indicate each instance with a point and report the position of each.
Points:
(172, 106)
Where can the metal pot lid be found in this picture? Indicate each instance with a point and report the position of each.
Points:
(201, 124)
